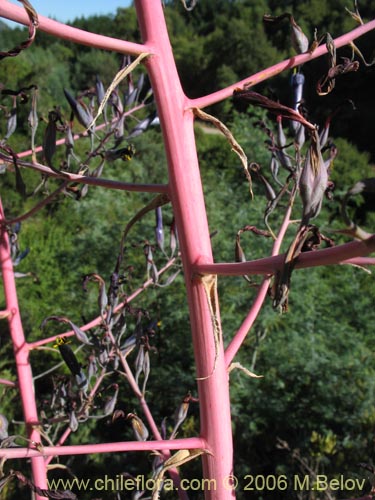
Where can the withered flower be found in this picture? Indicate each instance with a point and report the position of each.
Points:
(139, 428)
(313, 181)
(299, 40)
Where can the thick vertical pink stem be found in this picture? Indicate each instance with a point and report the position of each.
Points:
(189, 208)
(21, 353)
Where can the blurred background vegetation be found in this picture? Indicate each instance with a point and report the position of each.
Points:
(317, 391)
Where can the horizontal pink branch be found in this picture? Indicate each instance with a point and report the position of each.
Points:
(274, 70)
(9, 383)
(341, 254)
(60, 30)
(94, 181)
(98, 320)
(122, 446)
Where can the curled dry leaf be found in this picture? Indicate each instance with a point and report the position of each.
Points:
(230, 138)
(33, 25)
(238, 366)
(176, 460)
(272, 106)
(116, 81)
(308, 238)
(191, 5)
(326, 83)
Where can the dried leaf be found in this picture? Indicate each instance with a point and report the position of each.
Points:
(33, 25)
(210, 287)
(355, 15)
(80, 111)
(307, 238)
(299, 40)
(3, 427)
(116, 81)
(190, 7)
(230, 138)
(159, 229)
(80, 334)
(53, 494)
(141, 126)
(313, 181)
(139, 428)
(179, 458)
(102, 297)
(99, 88)
(272, 106)
(20, 185)
(361, 56)
(238, 366)
(110, 405)
(11, 122)
(173, 242)
(33, 120)
(73, 421)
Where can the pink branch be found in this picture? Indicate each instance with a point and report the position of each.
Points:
(94, 181)
(187, 198)
(59, 30)
(341, 254)
(21, 354)
(274, 70)
(121, 446)
(247, 324)
(8, 383)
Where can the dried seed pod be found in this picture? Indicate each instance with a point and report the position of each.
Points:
(73, 421)
(139, 428)
(159, 228)
(3, 427)
(313, 181)
(110, 405)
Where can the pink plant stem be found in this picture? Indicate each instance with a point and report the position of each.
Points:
(292, 62)
(341, 254)
(21, 353)
(247, 324)
(93, 181)
(16, 13)
(121, 446)
(189, 208)
(8, 383)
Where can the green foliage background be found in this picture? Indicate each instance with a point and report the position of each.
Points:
(317, 390)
